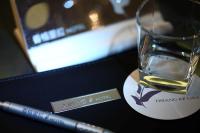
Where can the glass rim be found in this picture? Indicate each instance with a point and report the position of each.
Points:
(181, 38)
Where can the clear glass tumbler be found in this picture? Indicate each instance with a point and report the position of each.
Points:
(168, 43)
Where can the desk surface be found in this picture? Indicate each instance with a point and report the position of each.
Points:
(38, 90)
(13, 61)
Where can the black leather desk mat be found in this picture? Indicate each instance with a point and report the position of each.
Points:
(38, 90)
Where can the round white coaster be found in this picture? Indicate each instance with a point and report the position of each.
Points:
(157, 104)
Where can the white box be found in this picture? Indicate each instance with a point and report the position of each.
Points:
(68, 32)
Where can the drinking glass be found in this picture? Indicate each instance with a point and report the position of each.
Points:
(168, 44)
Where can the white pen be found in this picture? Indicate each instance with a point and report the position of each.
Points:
(52, 119)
